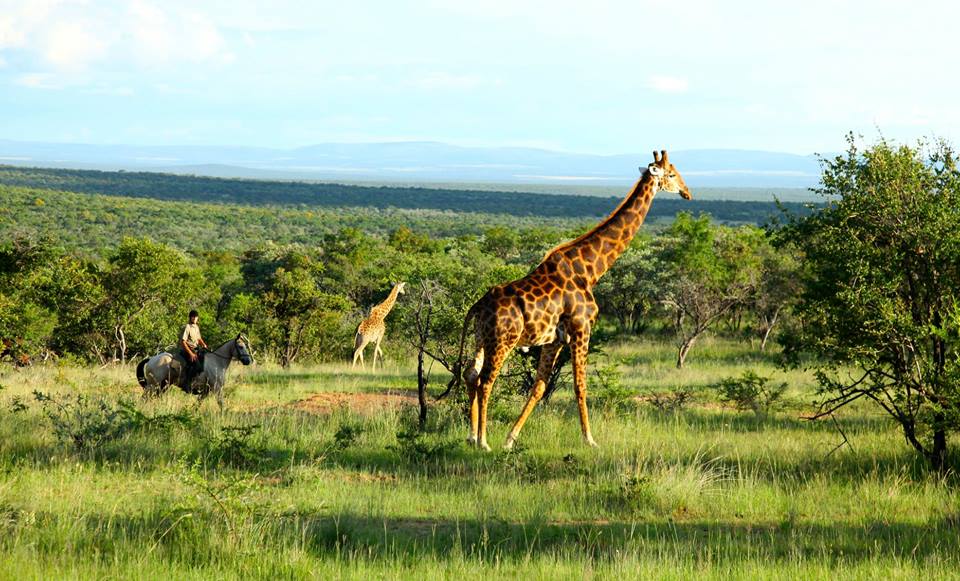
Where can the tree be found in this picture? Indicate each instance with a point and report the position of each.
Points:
(148, 283)
(777, 287)
(26, 324)
(881, 288)
(708, 270)
(629, 291)
(291, 312)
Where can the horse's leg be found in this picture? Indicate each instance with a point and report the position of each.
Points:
(219, 391)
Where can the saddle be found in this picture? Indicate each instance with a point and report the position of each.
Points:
(182, 365)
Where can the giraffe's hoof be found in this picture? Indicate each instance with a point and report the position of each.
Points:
(484, 446)
(508, 445)
(592, 443)
(472, 441)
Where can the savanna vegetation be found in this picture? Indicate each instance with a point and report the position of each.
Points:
(770, 402)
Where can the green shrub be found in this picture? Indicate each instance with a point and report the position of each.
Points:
(234, 446)
(670, 401)
(89, 422)
(751, 392)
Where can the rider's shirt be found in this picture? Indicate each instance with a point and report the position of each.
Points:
(191, 335)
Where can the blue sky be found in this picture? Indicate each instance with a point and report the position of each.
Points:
(600, 77)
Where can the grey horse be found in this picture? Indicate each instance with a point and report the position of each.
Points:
(157, 373)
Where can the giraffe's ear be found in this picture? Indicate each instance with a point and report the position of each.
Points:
(655, 170)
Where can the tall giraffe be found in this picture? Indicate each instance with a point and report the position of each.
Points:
(554, 305)
(372, 329)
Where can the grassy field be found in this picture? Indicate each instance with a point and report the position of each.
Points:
(317, 472)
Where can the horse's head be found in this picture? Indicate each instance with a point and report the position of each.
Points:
(242, 346)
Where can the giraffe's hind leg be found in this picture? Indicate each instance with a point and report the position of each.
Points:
(361, 344)
(472, 378)
(488, 375)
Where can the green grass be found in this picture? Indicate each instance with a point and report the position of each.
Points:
(700, 492)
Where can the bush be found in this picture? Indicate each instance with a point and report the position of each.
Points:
(347, 435)
(670, 401)
(87, 423)
(751, 392)
(233, 446)
(608, 392)
(416, 445)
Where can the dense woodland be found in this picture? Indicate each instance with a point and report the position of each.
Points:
(103, 266)
(156, 186)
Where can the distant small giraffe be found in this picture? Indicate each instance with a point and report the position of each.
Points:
(554, 305)
(372, 329)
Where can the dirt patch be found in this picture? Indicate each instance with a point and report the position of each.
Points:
(363, 403)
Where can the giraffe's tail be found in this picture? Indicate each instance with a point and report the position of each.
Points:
(458, 364)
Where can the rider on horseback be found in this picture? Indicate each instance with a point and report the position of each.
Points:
(190, 344)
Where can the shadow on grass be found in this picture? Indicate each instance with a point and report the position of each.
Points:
(205, 537)
(295, 439)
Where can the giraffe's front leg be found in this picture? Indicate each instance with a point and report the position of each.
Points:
(579, 345)
(548, 358)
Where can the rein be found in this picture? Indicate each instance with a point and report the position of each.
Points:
(233, 352)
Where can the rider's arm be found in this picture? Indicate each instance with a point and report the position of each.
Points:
(202, 343)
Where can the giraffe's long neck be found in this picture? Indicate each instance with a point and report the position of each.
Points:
(597, 250)
(383, 309)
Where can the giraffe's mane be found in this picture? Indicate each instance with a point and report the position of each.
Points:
(604, 222)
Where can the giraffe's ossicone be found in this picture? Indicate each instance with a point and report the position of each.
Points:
(554, 306)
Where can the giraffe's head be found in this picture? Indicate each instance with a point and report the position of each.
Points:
(400, 289)
(670, 180)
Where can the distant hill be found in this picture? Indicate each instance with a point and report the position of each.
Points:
(207, 190)
(417, 162)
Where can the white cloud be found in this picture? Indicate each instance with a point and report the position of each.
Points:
(72, 45)
(112, 91)
(665, 84)
(448, 81)
(161, 36)
(76, 35)
(38, 81)
(19, 20)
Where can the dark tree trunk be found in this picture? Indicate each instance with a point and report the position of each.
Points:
(938, 456)
(421, 389)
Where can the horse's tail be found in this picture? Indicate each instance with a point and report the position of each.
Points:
(458, 364)
(141, 376)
